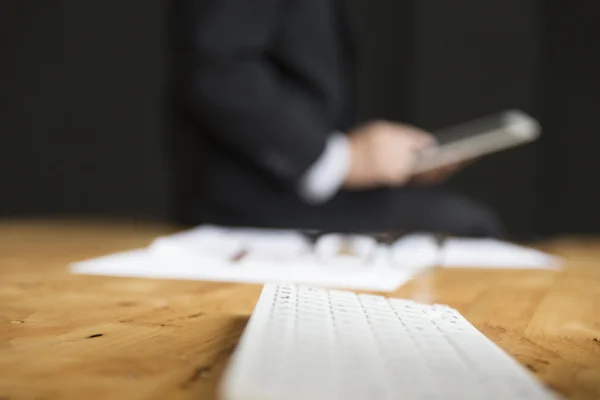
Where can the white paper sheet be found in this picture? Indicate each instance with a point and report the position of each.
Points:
(490, 253)
(259, 256)
(142, 263)
(211, 253)
(471, 253)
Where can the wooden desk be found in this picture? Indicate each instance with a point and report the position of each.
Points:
(80, 337)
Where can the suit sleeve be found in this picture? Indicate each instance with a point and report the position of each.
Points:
(240, 95)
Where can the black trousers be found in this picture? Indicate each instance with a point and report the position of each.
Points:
(422, 209)
(409, 209)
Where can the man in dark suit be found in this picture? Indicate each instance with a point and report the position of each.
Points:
(263, 131)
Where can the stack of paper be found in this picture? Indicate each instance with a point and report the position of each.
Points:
(348, 261)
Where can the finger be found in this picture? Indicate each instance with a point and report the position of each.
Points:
(404, 167)
(394, 174)
(423, 138)
(438, 175)
(412, 144)
(434, 175)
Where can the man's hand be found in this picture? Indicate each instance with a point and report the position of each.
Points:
(383, 154)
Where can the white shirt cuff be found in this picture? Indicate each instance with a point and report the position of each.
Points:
(326, 176)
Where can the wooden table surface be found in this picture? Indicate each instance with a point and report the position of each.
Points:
(83, 337)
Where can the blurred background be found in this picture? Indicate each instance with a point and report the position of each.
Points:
(81, 104)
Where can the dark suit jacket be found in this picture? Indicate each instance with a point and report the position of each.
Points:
(256, 87)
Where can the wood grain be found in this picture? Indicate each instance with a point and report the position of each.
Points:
(65, 336)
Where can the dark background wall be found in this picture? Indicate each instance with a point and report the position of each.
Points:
(570, 104)
(81, 107)
(81, 84)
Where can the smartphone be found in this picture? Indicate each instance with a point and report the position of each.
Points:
(478, 138)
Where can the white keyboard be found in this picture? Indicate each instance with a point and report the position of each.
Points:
(309, 343)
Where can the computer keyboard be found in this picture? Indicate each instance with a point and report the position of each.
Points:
(309, 343)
